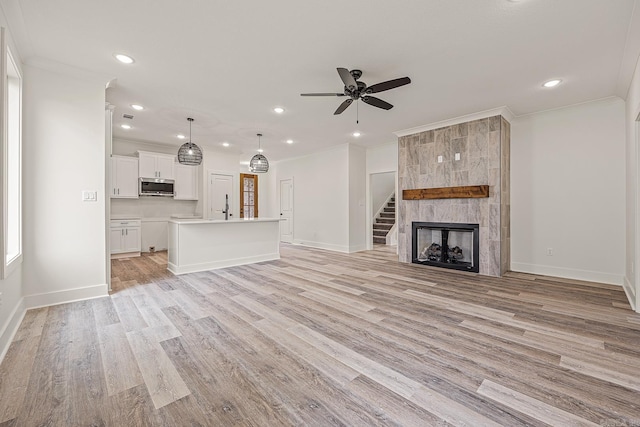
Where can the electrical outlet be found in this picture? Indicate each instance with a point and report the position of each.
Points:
(457, 156)
(549, 251)
(440, 159)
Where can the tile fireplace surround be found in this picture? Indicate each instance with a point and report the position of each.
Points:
(484, 160)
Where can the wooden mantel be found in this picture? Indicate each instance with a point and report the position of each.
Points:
(465, 192)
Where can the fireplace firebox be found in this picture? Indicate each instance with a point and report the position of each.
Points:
(447, 245)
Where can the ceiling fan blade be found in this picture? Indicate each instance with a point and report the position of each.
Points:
(343, 106)
(347, 78)
(390, 84)
(322, 94)
(377, 102)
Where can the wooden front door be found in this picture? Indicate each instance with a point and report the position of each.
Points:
(248, 195)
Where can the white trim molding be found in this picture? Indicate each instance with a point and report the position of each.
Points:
(10, 327)
(500, 111)
(568, 273)
(66, 296)
(631, 295)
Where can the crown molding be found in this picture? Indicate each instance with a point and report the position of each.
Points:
(503, 111)
(69, 70)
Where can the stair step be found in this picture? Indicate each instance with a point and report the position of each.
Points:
(381, 233)
(382, 226)
(389, 210)
(385, 220)
(391, 204)
(387, 214)
(381, 240)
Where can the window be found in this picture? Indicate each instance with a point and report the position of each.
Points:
(12, 163)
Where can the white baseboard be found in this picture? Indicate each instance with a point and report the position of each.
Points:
(212, 265)
(11, 327)
(321, 245)
(568, 273)
(66, 296)
(631, 294)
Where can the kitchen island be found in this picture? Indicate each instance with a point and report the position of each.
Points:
(201, 244)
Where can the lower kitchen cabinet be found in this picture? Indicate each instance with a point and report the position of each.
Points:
(125, 237)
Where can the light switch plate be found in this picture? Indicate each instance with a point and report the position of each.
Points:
(439, 159)
(89, 196)
(457, 157)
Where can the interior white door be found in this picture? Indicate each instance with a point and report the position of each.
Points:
(286, 210)
(220, 186)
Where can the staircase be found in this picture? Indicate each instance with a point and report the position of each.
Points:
(384, 222)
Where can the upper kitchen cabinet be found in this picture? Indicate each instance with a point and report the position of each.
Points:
(186, 185)
(156, 165)
(124, 177)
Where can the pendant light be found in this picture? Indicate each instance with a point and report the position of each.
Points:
(259, 163)
(189, 153)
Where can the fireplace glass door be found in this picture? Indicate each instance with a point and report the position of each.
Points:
(446, 245)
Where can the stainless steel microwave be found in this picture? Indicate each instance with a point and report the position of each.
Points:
(155, 187)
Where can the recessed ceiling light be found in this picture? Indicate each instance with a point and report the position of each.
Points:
(289, 141)
(125, 126)
(356, 134)
(279, 110)
(137, 107)
(125, 59)
(225, 144)
(552, 83)
(180, 136)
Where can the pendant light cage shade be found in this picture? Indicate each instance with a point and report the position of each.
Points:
(189, 153)
(259, 163)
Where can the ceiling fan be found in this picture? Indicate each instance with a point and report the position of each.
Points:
(355, 90)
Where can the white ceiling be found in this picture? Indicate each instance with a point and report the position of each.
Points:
(228, 63)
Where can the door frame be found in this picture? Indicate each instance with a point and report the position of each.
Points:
(292, 204)
(255, 193)
(369, 209)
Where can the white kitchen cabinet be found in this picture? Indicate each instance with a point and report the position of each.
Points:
(155, 165)
(125, 237)
(124, 177)
(186, 182)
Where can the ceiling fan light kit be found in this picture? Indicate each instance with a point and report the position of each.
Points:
(357, 90)
(189, 153)
(259, 163)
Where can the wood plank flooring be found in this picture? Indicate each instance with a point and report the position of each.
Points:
(321, 339)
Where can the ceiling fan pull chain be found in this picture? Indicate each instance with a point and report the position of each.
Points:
(357, 111)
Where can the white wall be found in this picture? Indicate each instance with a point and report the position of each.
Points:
(320, 198)
(64, 154)
(632, 273)
(567, 177)
(380, 159)
(357, 198)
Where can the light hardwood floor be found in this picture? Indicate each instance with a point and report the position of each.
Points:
(320, 338)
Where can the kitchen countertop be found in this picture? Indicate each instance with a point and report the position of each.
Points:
(123, 217)
(221, 221)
